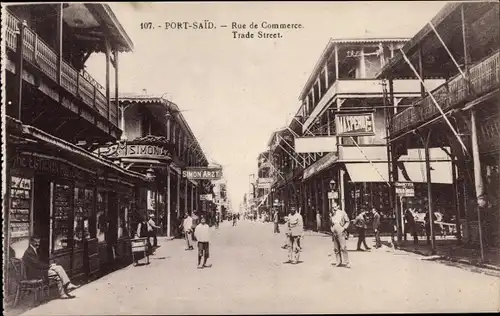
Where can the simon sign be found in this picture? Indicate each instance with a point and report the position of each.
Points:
(126, 150)
(355, 124)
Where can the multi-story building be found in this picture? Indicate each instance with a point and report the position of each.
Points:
(460, 44)
(220, 198)
(56, 113)
(262, 184)
(158, 141)
(337, 140)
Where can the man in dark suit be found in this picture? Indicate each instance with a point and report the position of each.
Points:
(35, 269)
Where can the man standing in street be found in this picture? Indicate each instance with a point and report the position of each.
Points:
(296, 231)
(187, 227)
(202, 233)
(276, 222)
(360, 223)
(411, 225)
(376, 227)
(318, 221)
(152, 229)
(340, 223)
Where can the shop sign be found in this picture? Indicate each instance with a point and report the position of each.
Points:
(333, 195)
(124, 150)
(355, 124)
(206, 197)
(405, 189)
(47, 165)
(202, 173)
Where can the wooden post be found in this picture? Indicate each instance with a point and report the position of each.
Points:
(168, 199)
(421, 71)
(429, 191)
(20, 69)
(192, 197)
(466, 53)
(342, 189)
(336, 62)
(115, 57)
(456, 199)
(186, 185)
(478, 180)
(326, 77)
(108, 57)
(316, 196)
(59, 39)
(178, 197)
(362, 64)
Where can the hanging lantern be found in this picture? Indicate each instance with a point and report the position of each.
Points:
(150, 175)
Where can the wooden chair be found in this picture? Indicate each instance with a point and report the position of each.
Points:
(23, 284)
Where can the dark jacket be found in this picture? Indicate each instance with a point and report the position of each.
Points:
(35, 268)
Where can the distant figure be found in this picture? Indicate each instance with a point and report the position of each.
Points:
(411, 226)
(427, 224)
(295, 232)
(318, 221)
(187, 227)
(287, 240)
(143, 232)
(152, 227)
(202, 233)
(376, 227)
(217, 219)
(276, 219)
(234, 220)
(360, 223)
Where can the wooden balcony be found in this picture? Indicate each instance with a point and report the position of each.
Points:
(81, 85)
(484, 78)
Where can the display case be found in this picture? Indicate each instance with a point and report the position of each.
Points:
(62, 212)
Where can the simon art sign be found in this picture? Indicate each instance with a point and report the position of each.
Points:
(355, 124)
(202, 173)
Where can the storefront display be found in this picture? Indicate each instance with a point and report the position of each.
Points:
(84, 206)
(62, 210)
(20, 206)
(101, 218)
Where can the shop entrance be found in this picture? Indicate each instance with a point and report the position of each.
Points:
(41, 214)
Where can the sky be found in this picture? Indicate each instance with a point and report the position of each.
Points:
(235, 92)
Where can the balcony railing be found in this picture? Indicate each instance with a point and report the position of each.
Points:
(483, 76)
(40, 55)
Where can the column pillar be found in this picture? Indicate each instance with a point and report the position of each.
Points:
(341, 188)
(178, 197)
(192, 197)
(186, 185)
(429, 191)
(478, 180)
(336, 62)
(167, 202)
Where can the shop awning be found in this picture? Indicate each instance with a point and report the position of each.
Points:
(413, 171)
(367, 172)
(72, 150)
(321, 165)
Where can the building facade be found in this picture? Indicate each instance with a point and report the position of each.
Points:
(334, 149)
(157, 140)
(460, 44)
(56, 114)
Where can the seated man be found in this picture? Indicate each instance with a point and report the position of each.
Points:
(35, 269)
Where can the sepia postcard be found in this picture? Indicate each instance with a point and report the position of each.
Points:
(217, 158)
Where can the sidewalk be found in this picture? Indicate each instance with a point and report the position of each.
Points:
(447, 249)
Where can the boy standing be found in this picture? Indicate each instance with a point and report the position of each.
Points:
(202, 234)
